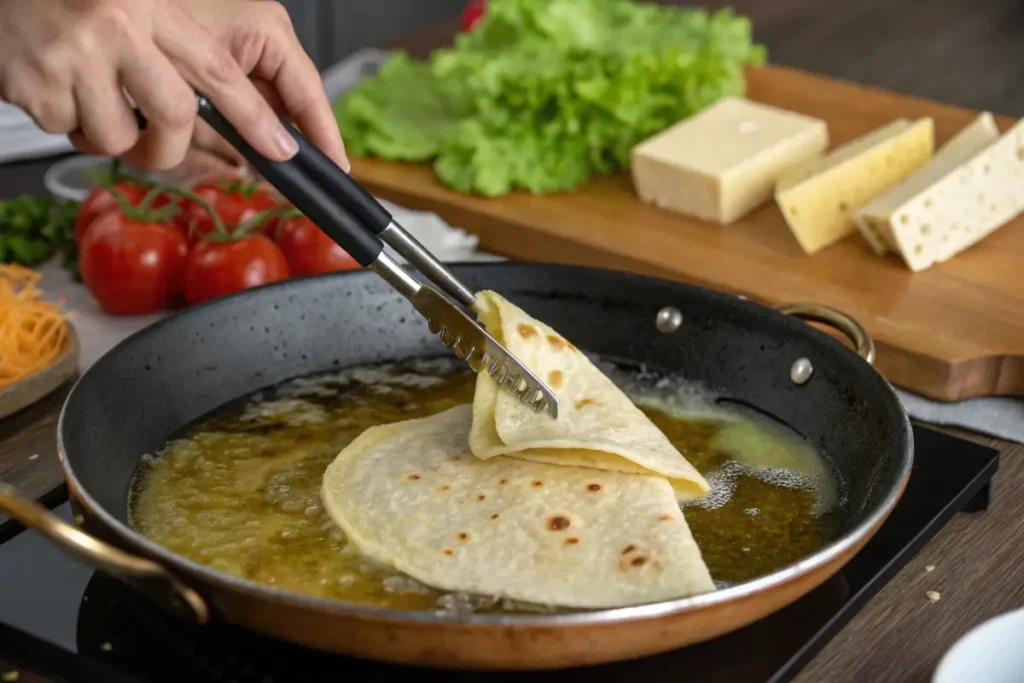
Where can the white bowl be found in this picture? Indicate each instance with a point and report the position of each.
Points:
(69, 179)
(991, 653)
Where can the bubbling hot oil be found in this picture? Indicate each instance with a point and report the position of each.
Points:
(239, 490)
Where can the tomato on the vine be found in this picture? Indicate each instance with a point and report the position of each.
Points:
(473, 12)
(218, 267)
(101, 200)
(308, 250)
(132, 266)
(236, 202)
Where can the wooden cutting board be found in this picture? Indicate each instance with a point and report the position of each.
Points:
(952, 332)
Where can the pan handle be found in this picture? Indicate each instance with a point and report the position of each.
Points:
(826, 315)
(145, 575)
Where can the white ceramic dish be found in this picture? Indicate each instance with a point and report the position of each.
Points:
(71, 179)
(990, 653)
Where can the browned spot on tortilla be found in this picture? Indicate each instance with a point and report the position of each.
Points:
(480, 496)
(593, 487)
(445, 487)
(463, 536)
(571, 347)
(526, 331)
(634, 558)
(495, 515)
(559, 523)
(556, 379)
(556, 343)
(572, 541)
(413, 477)
(448, 551)
(583, 403)
(537, 482)
(665, 518)
(503, 481)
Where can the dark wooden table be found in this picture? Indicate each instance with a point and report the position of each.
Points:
(963, 53)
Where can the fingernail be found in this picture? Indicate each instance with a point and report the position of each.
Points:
(285, 142)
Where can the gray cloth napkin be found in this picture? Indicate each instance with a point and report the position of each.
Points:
(997, 416)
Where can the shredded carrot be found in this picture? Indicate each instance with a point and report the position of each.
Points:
(33, 332)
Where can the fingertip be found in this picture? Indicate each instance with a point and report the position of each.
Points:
(343, 160)
(285, 144)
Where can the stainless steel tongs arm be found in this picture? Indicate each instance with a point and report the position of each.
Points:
(395, 236)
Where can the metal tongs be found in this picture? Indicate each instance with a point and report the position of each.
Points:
(360, 225)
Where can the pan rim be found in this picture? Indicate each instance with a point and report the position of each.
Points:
(182, 567)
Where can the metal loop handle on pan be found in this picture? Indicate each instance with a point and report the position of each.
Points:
(836, 319)
(147, 576)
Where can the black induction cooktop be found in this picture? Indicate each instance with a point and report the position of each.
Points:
(62, 621)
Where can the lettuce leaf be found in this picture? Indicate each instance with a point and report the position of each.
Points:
(403, 113)
(542, 94)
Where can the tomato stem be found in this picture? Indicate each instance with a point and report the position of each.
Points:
(256, 221)
(143, 213)
(149, 198)
(218, 224)
(115, 175)
(246, 188)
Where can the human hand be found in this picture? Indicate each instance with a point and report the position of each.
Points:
(70, 63)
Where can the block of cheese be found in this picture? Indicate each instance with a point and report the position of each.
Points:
(873, 219)
(722, 163)
(817, 199)
(965, 204)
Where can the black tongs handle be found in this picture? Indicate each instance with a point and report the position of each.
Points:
(339, 184)
(314, 184)
(301, 181)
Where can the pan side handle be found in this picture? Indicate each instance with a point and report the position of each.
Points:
(834, 318)
(145, 575)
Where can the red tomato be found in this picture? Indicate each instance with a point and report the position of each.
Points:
(309, 251)
(234, 201)
(471, 14)
(101, 200)
(216, 269)
(132, 267)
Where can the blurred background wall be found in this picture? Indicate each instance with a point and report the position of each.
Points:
(964, 52)
(332, 29)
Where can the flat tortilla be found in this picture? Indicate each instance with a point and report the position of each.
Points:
(598, 426)
(409, 495)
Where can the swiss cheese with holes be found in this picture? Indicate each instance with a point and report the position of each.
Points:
(818, 198)
(972, 190)
(874, 218)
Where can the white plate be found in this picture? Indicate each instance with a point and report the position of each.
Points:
(69, 179)
(990, 653)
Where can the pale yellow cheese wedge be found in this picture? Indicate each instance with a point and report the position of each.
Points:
(818, 198)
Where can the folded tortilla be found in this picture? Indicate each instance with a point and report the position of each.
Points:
(410, 495)
(598, 426)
